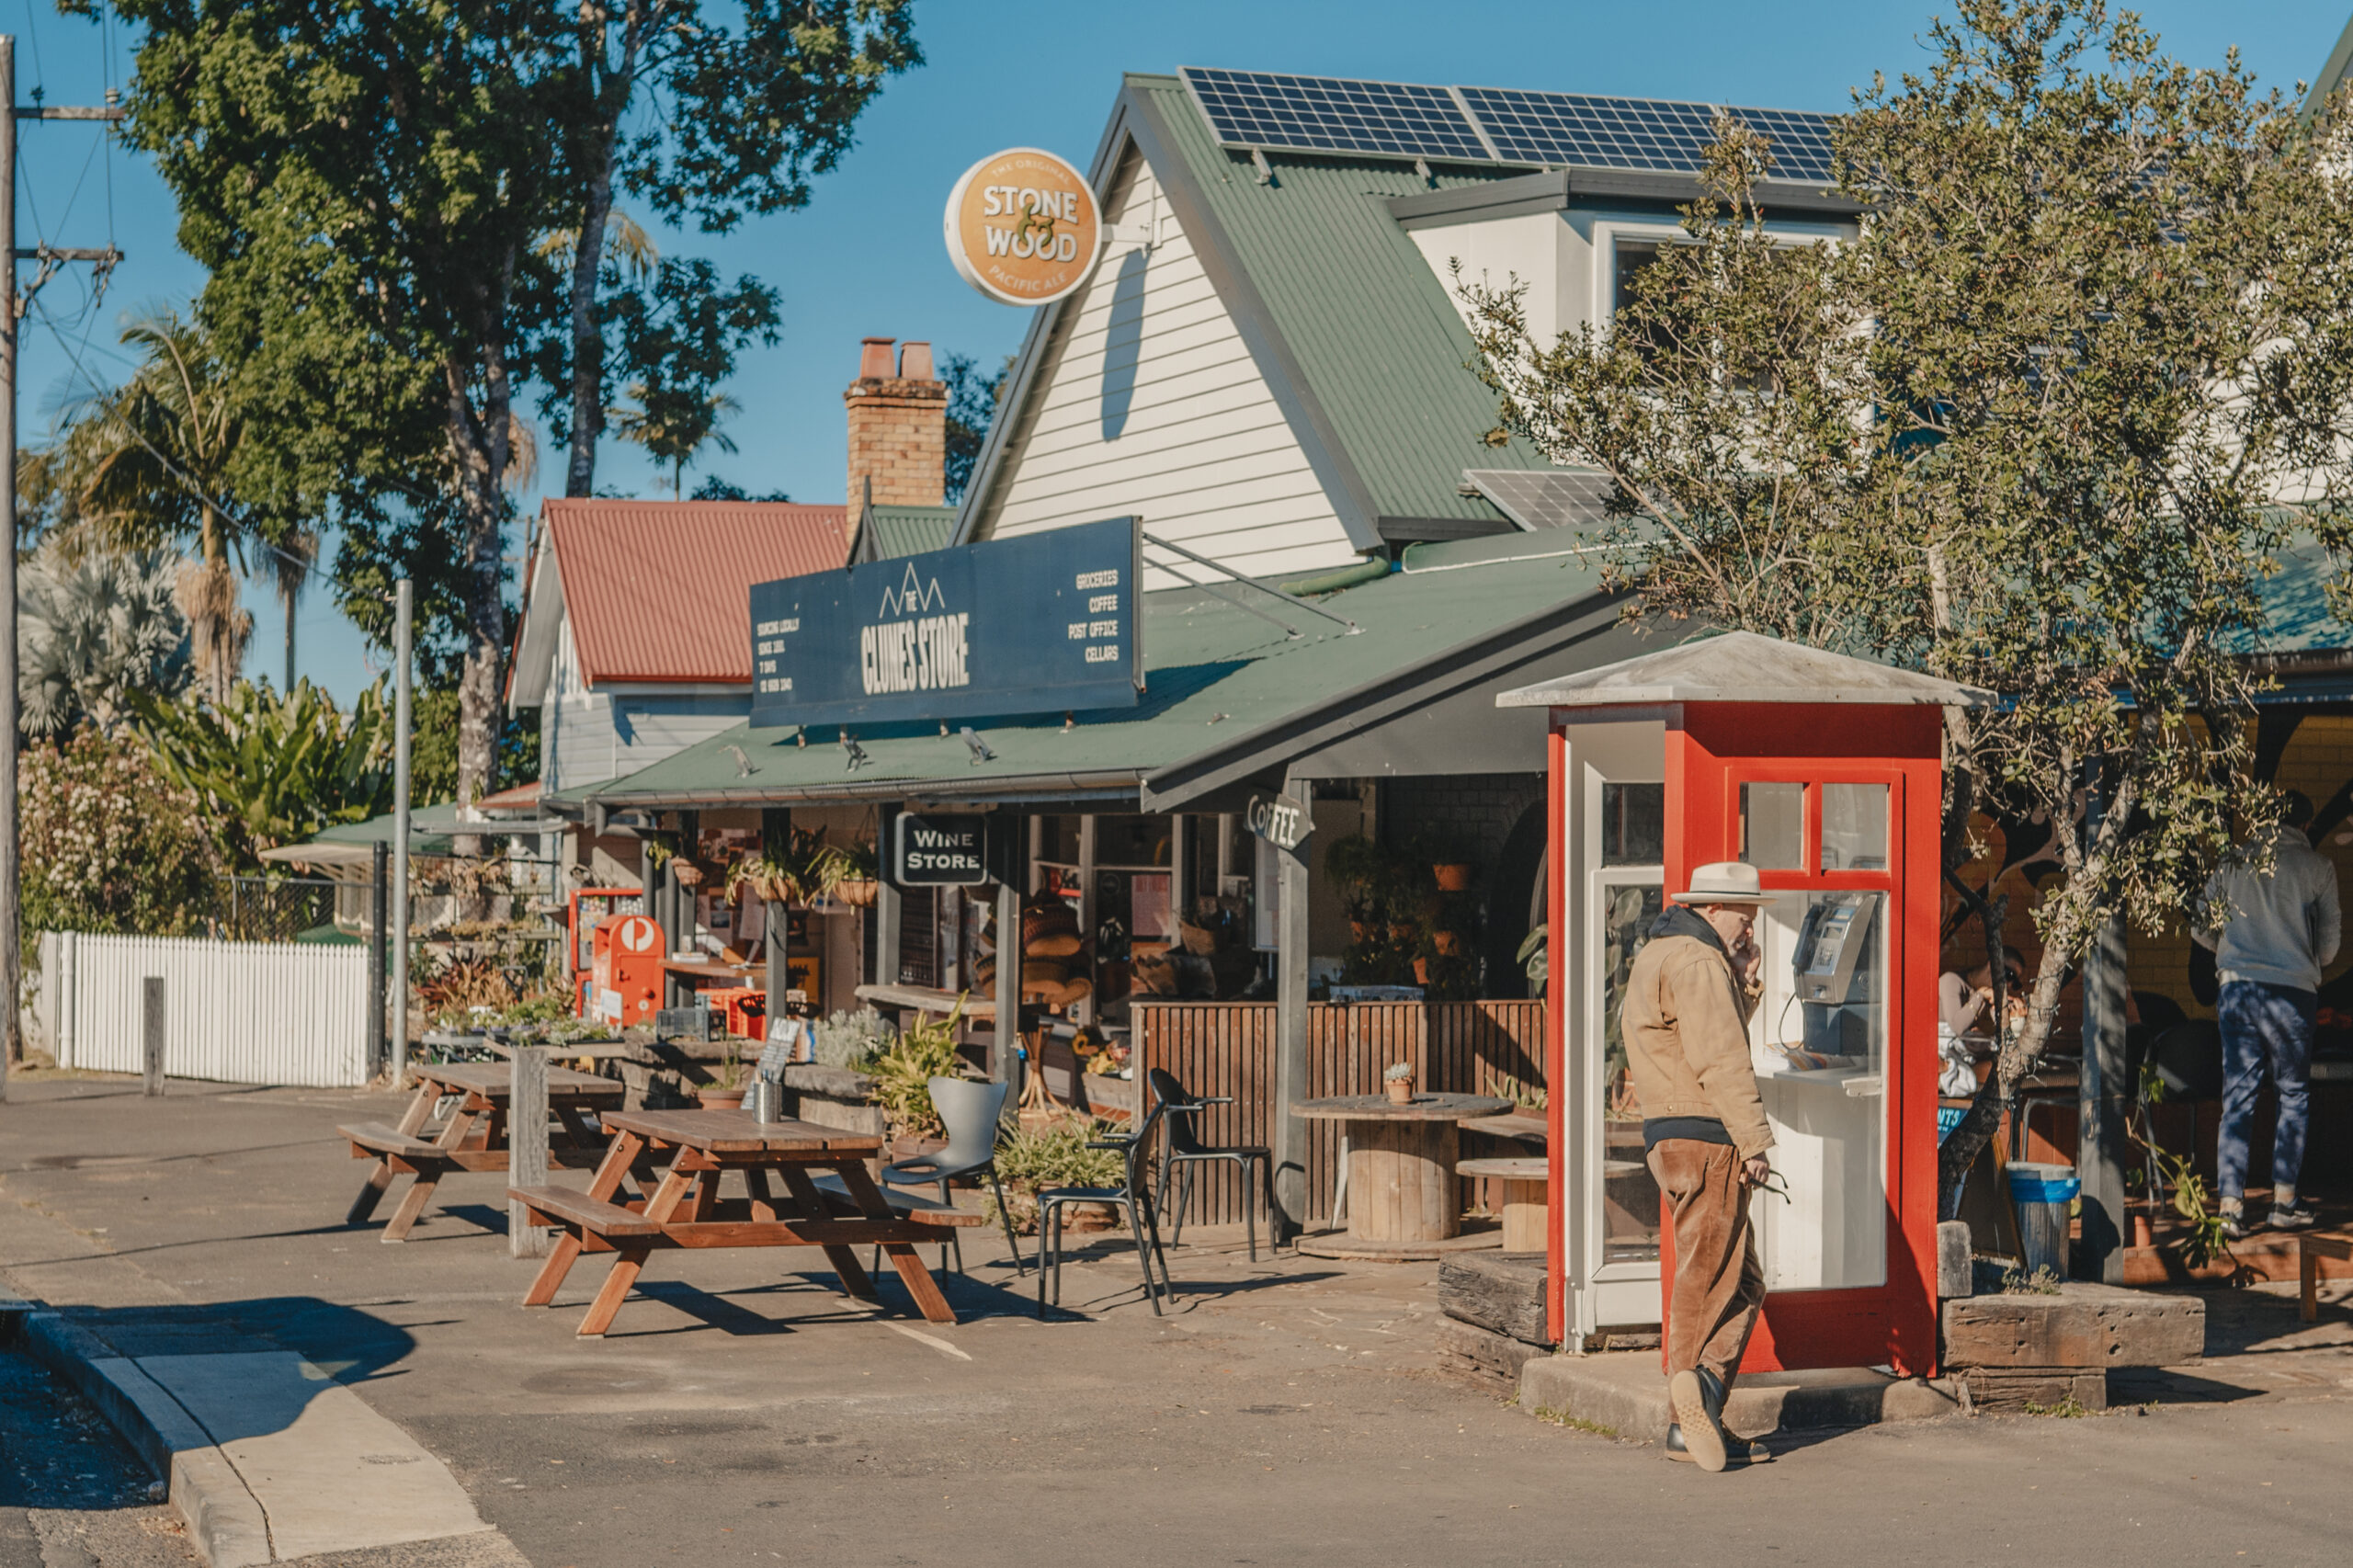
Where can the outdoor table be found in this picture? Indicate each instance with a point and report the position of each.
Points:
(1403, 1200)
(1527, 1184)
(830, 1201)
(474, 1139)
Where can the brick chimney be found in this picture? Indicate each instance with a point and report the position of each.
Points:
(898, 428)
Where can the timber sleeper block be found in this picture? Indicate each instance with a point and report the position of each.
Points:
(2082, 1326)
(1499, 1291)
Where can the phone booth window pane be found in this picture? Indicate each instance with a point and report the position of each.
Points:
(1634, 824)
(1629, 1195)
(1854, 827)
(1819, 1045)
(1772, 826)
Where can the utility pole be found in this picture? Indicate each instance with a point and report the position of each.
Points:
(404, 611)
(12, 309)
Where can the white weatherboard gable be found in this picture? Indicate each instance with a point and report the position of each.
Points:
(1149, 405)
(1538, 251)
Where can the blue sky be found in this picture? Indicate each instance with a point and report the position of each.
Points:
(866, 257)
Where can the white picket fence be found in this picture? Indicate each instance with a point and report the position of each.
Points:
(234, 1012)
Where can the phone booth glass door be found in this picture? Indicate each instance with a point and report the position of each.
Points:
(1830, 953)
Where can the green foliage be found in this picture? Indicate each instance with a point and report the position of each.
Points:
(972, 401)
(433, 746)
(2041, 1282)
(2025, 430)
(93, 626)
(2202, 1237)
(1054, 1155)
(109, 843)
(903, 1069)
(848, 1039)
(275, 769)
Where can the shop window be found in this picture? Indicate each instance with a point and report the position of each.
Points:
(1130, 841)
(1772, 826)
(919, 937)
(1058, 840)
(1634, 824)
(1629, 258)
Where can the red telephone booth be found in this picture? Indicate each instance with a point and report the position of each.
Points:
(1824, 773)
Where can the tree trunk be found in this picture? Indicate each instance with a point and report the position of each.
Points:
(588, 251)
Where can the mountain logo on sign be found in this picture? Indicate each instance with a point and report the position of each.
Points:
(911, 596)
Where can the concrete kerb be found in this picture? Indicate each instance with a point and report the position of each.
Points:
(1624, 1392)
(225, 1522)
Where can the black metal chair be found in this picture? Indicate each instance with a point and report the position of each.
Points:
(1132, 1198)
(1184, 1148)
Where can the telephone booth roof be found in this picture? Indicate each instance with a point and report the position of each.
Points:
(1742, 666)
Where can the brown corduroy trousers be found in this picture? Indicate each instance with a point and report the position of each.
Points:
(1719, 1287)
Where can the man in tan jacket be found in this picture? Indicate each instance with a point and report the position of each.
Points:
(1687, 1004)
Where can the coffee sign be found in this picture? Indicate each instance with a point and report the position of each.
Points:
(1283, 821)
(1023, 228)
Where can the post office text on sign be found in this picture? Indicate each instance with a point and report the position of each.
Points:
(1044, 623)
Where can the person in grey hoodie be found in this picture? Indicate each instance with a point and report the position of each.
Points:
(2272, 933)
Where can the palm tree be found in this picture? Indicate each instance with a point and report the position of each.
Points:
(150, 461)
(673, 425)
(93, 626)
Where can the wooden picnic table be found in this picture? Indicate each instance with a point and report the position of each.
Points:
(474, 1136)
(829, 1200)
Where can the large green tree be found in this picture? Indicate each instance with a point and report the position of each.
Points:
(705, 114)
(2078, 388)
(374, 189)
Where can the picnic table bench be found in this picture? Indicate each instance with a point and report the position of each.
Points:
(829, 1201)
(2310, 1250)
(473, 1138)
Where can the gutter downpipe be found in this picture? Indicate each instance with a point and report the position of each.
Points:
(1345, 577)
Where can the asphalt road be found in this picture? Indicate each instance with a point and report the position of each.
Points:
(1292, 1413)
(71, 1493)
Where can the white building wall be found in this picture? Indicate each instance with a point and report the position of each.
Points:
(1537, 250)
(1149, 403)
(588, 736)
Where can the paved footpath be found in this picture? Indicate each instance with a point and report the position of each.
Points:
(1287, 1413)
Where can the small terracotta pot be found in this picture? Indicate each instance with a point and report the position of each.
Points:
(720, 1099)
(1449, 943)
(1452, 877)
(1400, 1090)
(1401, 933)
(1356, 930)
(1421, 972)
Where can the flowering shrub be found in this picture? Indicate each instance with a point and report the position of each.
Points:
(109, 846)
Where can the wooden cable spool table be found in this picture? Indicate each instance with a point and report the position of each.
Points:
(1527, 1197)
(1403, 1204)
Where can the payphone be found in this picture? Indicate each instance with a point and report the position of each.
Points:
(1833, 972)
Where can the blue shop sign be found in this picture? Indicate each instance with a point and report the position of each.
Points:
(1042, 623)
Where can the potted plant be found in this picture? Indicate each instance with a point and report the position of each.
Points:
(860, 882)
(1399, 1081)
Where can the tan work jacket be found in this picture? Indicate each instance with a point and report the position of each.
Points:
(1686, 1023)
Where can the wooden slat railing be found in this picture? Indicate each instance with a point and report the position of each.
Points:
(1228, 1048)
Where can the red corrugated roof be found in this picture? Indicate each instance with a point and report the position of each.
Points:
(656, 590)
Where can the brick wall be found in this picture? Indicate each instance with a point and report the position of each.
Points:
(1480, 808)
(898, 428)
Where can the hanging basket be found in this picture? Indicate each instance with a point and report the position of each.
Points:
(858, 892)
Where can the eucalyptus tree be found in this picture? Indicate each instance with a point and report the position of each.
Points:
(2052, 423)
(705, 121)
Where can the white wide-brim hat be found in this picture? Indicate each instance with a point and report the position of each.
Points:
(1725, 881)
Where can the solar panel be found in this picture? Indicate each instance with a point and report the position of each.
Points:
(1579, 131)
(1538, 499)
(1328, 114)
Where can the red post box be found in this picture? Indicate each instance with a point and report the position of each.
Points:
(1824, 773)
(625, 977)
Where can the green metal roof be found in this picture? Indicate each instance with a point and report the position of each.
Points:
(907, 530)
(1219, 680)
(1378, 344)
